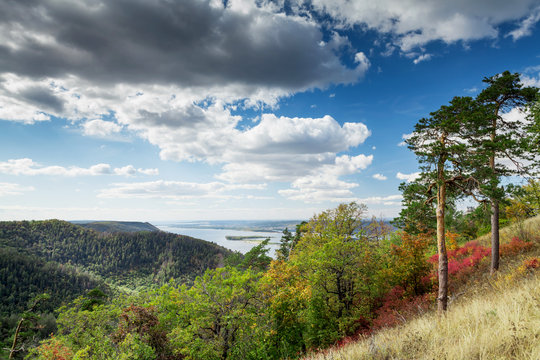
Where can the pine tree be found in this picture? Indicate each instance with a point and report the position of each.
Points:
(504, 139)
(441, 143)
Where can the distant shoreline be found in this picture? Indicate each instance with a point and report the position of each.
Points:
(245, 238)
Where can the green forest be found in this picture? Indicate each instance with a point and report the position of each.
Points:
(118, 226)
(338, 276)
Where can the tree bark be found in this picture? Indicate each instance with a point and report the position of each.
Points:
(494, 236)
(494, 209)
(15, 338)
(442, 298)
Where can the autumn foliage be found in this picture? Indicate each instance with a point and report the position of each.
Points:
(337, 284)
(515, 246)
(53, 349)
(397, 307)
(533, 263)
(407, 266)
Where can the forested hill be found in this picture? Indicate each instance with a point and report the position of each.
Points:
(23, 276)
(118, 226)
(64, 250)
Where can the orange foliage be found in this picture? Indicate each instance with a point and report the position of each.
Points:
(451, 240)
(408, 266)
(53, 349)
(533, 263)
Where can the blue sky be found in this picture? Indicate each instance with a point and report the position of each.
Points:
(239, 109)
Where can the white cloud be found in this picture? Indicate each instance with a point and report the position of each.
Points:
(382, 200)
(363, 62)
(106, 59)
(526, 25)
(128, 170)
(100, 128)
(408, 177)
(28, 167)
(285, 149)
(405, 137)
(185, 129)
(174, 190)
(532, 80)
(414, 23)
(148, 171)
(324, 185)
(379, 177)
(423, 57)
(13, 189)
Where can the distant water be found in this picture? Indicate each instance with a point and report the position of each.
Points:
(218, 236)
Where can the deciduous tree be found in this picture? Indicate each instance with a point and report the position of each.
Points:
(339, 263)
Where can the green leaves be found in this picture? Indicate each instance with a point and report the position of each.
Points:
(219, 315)
(336, 258)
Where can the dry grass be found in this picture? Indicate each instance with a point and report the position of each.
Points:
(495, 318)
(525, 230)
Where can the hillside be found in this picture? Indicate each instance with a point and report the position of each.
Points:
(118, 226)
(489, 318)
(23, 276)
(66, 259)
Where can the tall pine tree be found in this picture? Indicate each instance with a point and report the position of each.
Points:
(504, 139)
(441, 143)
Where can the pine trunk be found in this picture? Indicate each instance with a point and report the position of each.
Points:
(494, 210)
(442, 298)
(494, 236)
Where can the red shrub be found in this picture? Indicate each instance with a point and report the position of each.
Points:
(463, 260)
(397, 307)
(533, 263)
(515, 246)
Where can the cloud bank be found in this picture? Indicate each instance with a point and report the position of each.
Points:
(28, 167)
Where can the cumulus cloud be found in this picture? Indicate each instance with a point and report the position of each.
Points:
(363, 62)
(13, 189)
(325, 185)
(119, 42)
(173, 190)
(100, 128)
(408, 177)
(94, 64)
(380, 177)
(285, 149)
(531, 76)
(28, 167)
(413, 23)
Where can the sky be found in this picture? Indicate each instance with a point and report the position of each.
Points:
(170, 110)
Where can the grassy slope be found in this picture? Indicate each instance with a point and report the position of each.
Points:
(491, 318)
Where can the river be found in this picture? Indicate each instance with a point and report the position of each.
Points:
(219, 236)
